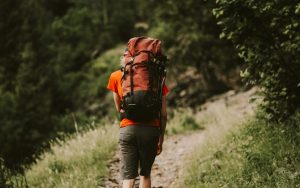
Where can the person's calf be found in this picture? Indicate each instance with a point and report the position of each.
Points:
(128, 183)
(145, 182)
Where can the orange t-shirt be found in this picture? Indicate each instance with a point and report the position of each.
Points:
(114, 84)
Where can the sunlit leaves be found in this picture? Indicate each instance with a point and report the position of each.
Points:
(266, 34)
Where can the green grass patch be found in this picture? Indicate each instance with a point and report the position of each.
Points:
(183, 120)
(261, 154)
(78, 162)
(81, 160)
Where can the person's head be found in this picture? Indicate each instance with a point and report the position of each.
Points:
(122, 61)
(122, 58)
(141, 29)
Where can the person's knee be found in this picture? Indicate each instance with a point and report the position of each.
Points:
(145, 177)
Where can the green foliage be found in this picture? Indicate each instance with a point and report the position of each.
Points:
(189, 123)
(182, 121)
(97, 101)
(266, 34)
(11, 179)
(260, 155)
(191, 38)
(46, 57)
(26, 90)
(78, 161)
(4, 175)
(50, 69)
(272, 154)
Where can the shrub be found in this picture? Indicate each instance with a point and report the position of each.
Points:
(266, 34)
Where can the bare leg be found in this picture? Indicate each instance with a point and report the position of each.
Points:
(145, 181)
(128, 183)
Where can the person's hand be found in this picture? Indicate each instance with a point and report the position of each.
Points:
(159, 145)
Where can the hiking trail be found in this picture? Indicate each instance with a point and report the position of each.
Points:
(178, 148)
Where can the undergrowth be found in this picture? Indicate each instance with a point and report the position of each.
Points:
(79, 162)
(182, 121)
(82, 160)
(261, 154)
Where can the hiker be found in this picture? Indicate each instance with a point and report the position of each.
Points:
(139, 93)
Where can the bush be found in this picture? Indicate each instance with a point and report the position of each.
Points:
(190, 35)
(266, 34)
(11, 179)
(46, 54)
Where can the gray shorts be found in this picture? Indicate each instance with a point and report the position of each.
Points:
(138, 145)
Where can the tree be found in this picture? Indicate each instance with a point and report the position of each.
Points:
(191, 36)
(46, 53)
(266, 34)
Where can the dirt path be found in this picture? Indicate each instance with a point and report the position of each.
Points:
(178, 148)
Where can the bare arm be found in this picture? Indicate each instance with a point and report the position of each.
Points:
(163, 116)
(163, 124)
(117, 101)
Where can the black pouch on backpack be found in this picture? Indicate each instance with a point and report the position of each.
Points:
(141, 106)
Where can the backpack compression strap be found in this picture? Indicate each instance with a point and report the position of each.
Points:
(160, 96)
(131, 77)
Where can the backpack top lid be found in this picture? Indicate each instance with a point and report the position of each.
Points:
(137, 45)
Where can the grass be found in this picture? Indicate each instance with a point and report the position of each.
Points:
(82, 160)
(79, 162)
(260, 154)
(183, 121)
(221, 112)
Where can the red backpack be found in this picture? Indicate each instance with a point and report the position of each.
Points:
(143, 79)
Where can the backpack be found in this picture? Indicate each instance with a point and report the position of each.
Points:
(143, 79)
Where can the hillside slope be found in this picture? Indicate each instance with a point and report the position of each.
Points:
(82, 161)
(261, 153)
(217, 118)
(79, 162)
